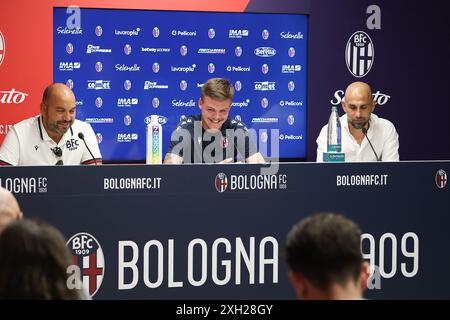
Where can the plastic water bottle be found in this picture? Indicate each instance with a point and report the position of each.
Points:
(334, 132)
(154, 141)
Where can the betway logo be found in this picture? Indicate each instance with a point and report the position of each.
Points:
(130, 33)
(238, 69)
(265, 52)
(66, 30)
(123, 67)
(237, 33)
(288, 35)
(183, 69)
(127, 102)
(12, 97)
(69, 66)
(179, 103)
(291, 68)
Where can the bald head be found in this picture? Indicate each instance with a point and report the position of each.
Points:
(57, 90)
(358, 90)
(9, 208)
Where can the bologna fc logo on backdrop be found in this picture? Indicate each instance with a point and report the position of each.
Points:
(155, 103)
(183, 85)
(183, 50)
(99, 137)
(2, 48)
(155, 32)
(238, 51)
(98, 31)
(88, 256)
(69, 83)
(127, 49)
(155, 67)
(441, 179)
(291, 52)
(69, 48)
(359, 54)
(264, 103)
(98, 102)
(238, 86)
(211, 33)
(211, 68)
(265, 34)
(127, 85)
(221, 182)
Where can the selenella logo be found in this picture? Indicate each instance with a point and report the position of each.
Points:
(2, 48)
(88, 258)
(359, 54)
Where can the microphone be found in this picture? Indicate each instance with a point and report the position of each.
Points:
(81, 136)
(364, 131)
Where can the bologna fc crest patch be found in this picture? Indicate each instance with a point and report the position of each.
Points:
(87, 254)
(441, 179)
(221, 182)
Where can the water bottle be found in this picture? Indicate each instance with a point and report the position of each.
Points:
(154, 141)
(334, 132)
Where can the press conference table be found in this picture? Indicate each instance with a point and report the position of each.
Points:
(216, 231)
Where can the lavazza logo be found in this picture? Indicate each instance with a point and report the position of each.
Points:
(88, 262)
(12, 96)
(250, 182)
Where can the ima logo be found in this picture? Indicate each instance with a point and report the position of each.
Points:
(221, 182)
(2, 48)
(441, 179)
(359, 54)
(88, 256)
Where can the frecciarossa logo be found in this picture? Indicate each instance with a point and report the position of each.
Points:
(249, 182)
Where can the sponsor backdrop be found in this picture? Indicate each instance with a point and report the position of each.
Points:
(130, 64)
(399, 47)
(138, 234)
